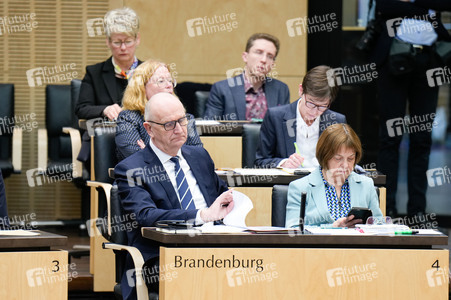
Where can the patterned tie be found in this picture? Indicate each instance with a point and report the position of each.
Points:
(186, 199)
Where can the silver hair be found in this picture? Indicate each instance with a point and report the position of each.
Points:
(121, 20)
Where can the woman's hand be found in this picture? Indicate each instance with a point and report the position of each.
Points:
(347, 222)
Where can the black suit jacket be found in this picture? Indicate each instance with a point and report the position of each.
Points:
(4, 222)
(98, 90)
(390, 9)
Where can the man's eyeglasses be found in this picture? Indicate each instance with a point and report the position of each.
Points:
(161, 82)
(312, 105)
(168, 126)
(118, 44)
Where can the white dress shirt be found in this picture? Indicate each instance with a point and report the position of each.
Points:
(169, 166)
(307, 138)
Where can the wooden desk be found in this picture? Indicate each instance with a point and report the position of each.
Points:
(259, 189)
(272, 266)
(30, 270)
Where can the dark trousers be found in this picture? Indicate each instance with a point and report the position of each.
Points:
(395, 92)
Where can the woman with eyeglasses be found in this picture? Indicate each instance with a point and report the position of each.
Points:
(333, 188)
(289, 133)
(150, 78)
(104, 83)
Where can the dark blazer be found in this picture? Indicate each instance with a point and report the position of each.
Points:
(98, 90)
(278, 133)
(227, 99)
(390, 9)
(4, 222)
(130, 129)
(155, 199)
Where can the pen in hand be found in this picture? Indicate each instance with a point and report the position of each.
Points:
(298, 152)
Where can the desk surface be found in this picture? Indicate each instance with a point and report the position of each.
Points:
(285, 240)
(269, 180)
(43, 241)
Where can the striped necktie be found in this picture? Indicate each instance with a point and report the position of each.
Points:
(186, 199)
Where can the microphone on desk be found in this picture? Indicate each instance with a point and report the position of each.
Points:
(302, 214)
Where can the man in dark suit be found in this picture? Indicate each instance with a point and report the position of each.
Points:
(4, 224)
(150, 182)
(418, 25)
(300, 122)
(248, 96)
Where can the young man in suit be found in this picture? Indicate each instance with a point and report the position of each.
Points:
(168, 180)
(249, 95)
(300, 122)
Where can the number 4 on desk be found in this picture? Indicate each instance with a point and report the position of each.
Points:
(436, 265)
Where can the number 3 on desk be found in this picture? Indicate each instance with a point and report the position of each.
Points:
(57, 266)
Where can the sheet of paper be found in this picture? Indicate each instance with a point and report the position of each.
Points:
(210, 228)
(261, 172)
(428, 231)
(337, 231)
(242, 206)
(18, 232)
(207, 122)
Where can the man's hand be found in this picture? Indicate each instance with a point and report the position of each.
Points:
(219, 209)
(347, 222)
(293, 162)
(112, 111)
(141, 144)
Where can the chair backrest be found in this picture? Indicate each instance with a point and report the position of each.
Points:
(279, 205)
(59, 113)
(251, 136)
(6, 128)
(200, 103)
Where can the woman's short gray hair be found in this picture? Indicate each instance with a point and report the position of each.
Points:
(121, 20)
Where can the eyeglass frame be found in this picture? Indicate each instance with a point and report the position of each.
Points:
(172, 81)
(132, 42)
(321, 108)
(187, 117)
